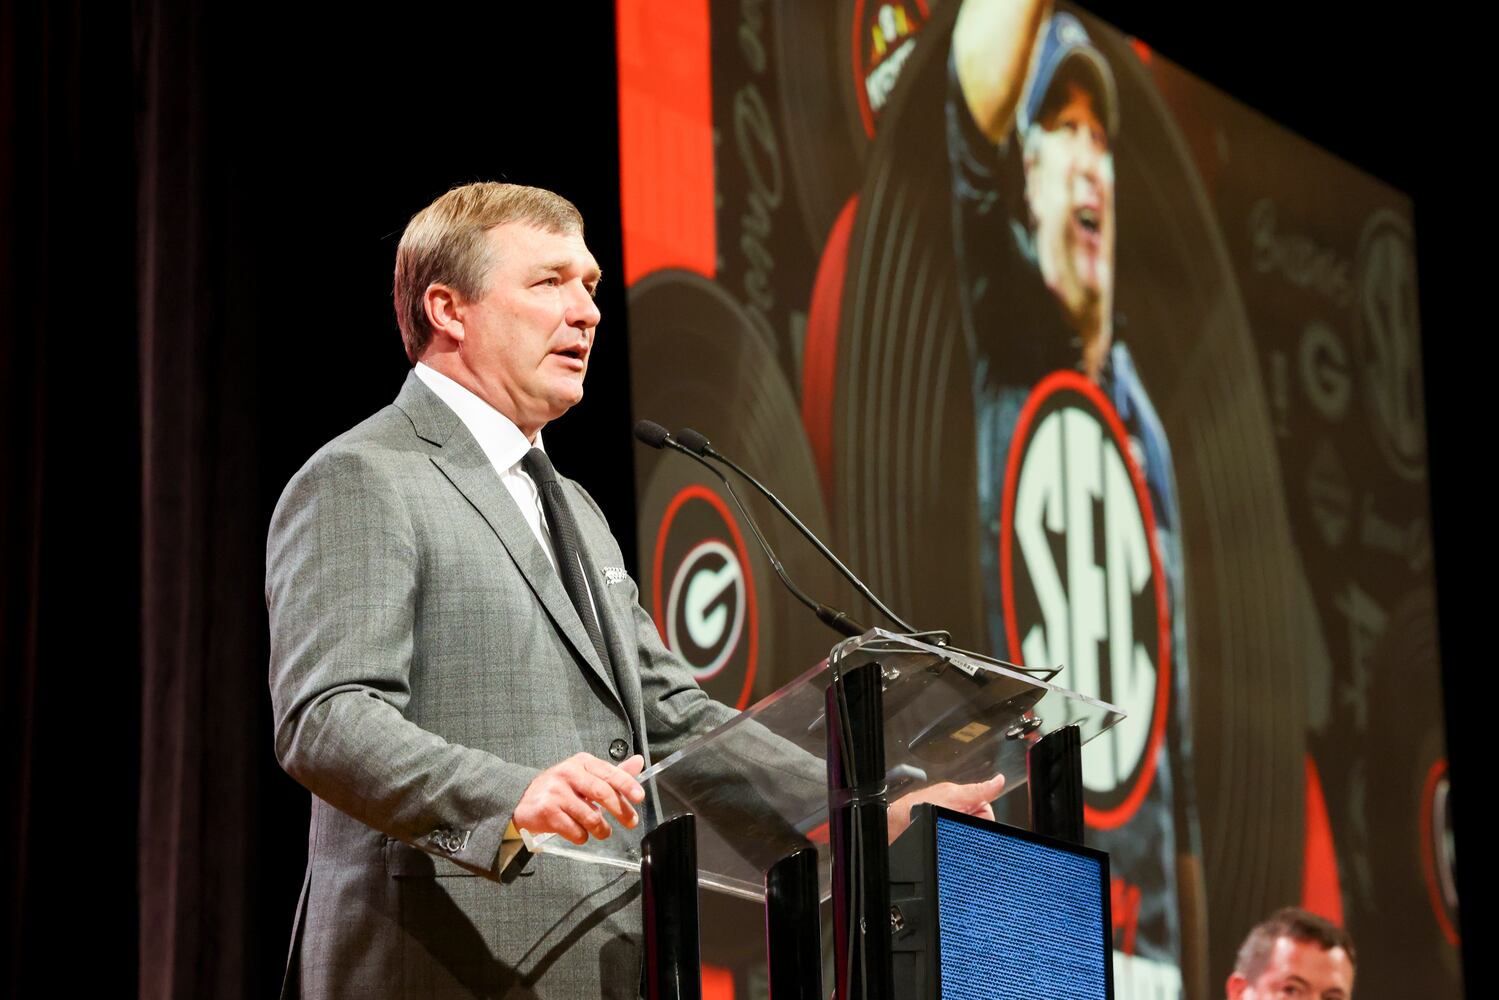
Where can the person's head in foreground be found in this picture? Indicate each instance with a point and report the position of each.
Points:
(1293, 953)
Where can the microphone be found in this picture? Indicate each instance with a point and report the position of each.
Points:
(697, 445)
(650, 433)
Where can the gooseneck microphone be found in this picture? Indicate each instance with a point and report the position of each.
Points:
(696, 444)
(648, 432)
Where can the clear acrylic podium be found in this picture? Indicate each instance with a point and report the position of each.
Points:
(758, 785)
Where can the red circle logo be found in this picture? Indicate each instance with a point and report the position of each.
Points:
(884, 35)
(703, 594)
(1438, 852)
(1082, 581)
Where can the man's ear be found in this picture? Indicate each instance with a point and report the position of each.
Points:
(444, 308)
(1235, 986)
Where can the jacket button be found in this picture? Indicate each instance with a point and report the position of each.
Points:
(619, 750)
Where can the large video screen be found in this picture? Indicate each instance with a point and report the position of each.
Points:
(1076, 357)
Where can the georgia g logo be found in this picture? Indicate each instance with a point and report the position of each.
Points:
(1082, 581)
(705, 607)
(707, 613)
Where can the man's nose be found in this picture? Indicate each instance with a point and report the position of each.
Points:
(1089, 154)
(582, 310)
(1098, 151)
(1090, 167)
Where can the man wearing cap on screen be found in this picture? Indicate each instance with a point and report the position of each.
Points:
(1059, 130)
(1032, 117)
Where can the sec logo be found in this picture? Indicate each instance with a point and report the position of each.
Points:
(703, 595)
(1388, 323)
(1082, 582)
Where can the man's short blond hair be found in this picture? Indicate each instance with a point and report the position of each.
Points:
(445, 244)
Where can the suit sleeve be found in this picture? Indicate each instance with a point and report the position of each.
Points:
(342, 583)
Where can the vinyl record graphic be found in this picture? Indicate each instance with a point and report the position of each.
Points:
(712, 592)
(902, 477)
(837, 65)
(1402, 811)
(906, 471)
(1252, 634)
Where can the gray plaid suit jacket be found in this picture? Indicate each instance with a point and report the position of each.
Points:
(426, 663)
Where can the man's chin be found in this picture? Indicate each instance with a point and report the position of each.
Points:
(1082, 302)
(563, 384)
(1093, 282)
(1090, 271)
(565, 401)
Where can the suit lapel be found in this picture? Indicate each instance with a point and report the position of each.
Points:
(615, 630)
(466, 466)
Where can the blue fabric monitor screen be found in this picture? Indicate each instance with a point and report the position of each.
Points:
(1017, 919)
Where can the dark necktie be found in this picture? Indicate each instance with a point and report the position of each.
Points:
(565, 545)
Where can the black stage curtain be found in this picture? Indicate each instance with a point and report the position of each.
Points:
(200, 211)
(202, 638)
(276, 171)
(198, 214)
(70, 498)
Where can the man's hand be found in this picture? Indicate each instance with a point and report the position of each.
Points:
(972, 800)
(992, 43)
(565, 799)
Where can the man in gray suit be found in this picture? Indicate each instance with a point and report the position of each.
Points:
(433, 683)
(456, 650)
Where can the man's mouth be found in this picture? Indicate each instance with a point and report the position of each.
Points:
(577, 354)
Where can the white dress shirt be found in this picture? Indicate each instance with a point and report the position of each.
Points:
(503, 444)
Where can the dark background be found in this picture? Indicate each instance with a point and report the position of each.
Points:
(199, 212)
